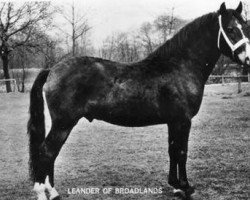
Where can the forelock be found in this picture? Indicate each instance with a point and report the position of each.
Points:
(239, 17)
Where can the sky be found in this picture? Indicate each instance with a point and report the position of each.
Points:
(110, 16)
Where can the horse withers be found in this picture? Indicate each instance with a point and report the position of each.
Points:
(164, 88)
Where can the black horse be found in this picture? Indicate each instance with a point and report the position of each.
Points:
(164, 88)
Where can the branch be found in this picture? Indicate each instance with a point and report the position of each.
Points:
(8, 17)
(1, 11)
(68, 19)
(18, 15)
(63, 31)
(35, 12)
(84, 30)
(81, 26)
(24, 42)
(20, 29)
(80, 19)
(78, 27)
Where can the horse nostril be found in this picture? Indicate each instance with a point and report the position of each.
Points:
(247, 61)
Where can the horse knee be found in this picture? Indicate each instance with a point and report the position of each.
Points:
(174, 151)
(183, 156)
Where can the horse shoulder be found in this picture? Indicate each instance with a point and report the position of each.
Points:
(180, 93)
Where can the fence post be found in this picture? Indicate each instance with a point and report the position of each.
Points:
(239, 84)
(222, 79)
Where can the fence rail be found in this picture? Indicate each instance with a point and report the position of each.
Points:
(228, 79)
(223, 78)
(11, 80)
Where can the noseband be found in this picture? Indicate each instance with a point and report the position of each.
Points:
(232, 46)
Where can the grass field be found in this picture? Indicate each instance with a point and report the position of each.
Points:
(101, 155)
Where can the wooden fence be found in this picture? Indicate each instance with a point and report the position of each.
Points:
(13, 84)
(228, 79)
(223, 79)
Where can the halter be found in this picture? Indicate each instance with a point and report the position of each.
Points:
(233, 47)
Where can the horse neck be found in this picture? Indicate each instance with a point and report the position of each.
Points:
(203, 51)
(198, 47)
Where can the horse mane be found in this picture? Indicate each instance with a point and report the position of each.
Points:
(185, 36)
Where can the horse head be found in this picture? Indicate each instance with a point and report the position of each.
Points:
(232, 40)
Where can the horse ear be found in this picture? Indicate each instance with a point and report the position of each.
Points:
(223, 8)
(239, 8)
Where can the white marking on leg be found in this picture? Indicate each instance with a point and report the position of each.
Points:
(178, 191)
(40, 191)
(53, 194)
(52, 191)
(47, 184)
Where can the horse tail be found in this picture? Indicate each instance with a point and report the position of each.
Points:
(36, 123)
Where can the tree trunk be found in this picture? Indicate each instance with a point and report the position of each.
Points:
(73, 45)
(5, 60)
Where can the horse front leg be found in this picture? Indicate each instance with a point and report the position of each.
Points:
(178, 148)
(172, 177)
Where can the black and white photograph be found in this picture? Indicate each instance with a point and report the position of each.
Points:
(125, 100)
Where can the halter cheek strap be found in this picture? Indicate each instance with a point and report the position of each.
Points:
(233, 47)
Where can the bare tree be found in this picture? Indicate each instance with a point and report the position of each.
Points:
(121, 47)
(246, 10)
(126, 47)
(48, 48)
(162, 25)
(84, 46)
(49, 52)
(246, 14)
(107, 50)
(20, 57)
(167, 25)
(79, 25)
(17, 26)
(146, 31)
(136, 49)
(23, 57)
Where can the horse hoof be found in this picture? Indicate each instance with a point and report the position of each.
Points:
(180, 194)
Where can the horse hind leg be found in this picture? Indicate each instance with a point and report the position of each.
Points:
(49, 150)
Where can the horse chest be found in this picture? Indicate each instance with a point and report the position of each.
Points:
(180, 96)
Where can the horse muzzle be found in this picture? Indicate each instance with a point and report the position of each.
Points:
(247, 61)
